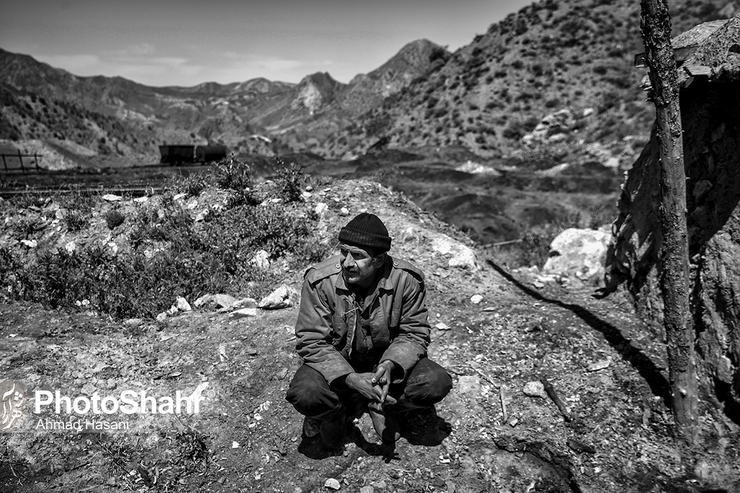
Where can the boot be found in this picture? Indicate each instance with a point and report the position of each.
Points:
(311, 426)
(386, 426)
(334, 431)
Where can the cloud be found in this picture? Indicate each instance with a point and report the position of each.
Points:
(143, 63)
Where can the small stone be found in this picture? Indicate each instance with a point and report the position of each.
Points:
(244, 313)
(261, 259)
(535, 389)
(442, 326)
(468, 385)
(245, 303)
(476, 298)
(133, 322)
(179, 196)
(599, 365)
(29, 243)
(109, 197)
(282, 297)
(332, 484)
(162, 317)
(344, 211)
(183, 305)
(234, 444)
(320, 209)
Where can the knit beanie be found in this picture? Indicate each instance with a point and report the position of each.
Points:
(366, 230)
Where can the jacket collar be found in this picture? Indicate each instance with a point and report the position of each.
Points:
(383, 282)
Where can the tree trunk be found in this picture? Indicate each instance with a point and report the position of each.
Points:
(656, 34)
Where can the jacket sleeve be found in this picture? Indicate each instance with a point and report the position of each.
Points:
(413, 338)
(313, 331)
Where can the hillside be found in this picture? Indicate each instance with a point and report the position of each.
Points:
(121, 261)
(552, 56)
(572, 59)
(41, 102)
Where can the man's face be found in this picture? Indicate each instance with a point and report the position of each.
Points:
(358, 265)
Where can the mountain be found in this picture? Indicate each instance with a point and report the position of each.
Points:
(574, 57)
(552, 83)
(117, 119)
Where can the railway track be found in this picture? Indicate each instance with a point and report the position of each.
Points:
(135, 181)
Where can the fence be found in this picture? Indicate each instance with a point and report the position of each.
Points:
(18, 159)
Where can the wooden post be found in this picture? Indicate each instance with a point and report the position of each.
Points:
(5, 163)
(656, 33)
(36, 159)
(20, 158)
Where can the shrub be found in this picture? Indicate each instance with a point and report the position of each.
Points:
(291, 180)
(114, 218)
(171, 256)
(552, 102)
(76, 221)
(233, 175)
(601, 69)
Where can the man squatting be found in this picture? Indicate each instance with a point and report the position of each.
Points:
(363, 334)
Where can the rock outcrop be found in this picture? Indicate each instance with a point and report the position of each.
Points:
(710, 110)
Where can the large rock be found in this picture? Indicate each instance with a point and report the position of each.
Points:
(458, 255)
(559, 123)
(578, 253)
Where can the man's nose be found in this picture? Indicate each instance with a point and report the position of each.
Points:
(348, 260)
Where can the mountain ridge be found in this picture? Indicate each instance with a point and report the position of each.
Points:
(488, 96)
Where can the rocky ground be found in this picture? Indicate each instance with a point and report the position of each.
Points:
(498, 430)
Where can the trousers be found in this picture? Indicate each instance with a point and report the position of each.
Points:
(311, 395)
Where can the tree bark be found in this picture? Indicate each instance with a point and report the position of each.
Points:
(656, 34)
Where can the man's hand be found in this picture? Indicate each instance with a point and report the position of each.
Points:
(382, 378)
(362, 383)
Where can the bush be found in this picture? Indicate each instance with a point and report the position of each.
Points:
(291, 180)
(113, 218)
(171, 255)
(76, 221)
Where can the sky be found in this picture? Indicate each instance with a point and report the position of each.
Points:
(187, 42)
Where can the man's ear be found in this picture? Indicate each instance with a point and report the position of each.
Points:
(379, 259)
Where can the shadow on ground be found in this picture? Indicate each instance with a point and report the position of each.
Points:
(626, 349)
(419, 427)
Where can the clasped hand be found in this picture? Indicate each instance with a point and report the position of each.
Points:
(373, 385)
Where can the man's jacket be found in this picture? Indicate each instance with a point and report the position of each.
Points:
(393, 325)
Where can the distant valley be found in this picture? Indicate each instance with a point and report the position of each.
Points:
(550, 91)
(574, 57)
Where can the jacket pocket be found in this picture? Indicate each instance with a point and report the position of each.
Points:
(338, 331)
(395, 320)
